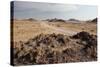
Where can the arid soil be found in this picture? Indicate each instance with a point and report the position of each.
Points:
(23, 30)
(43, 42)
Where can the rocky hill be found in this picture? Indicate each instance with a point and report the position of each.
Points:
(56, 48)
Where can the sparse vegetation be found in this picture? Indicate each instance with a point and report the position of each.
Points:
(42, 42)
(56, 48)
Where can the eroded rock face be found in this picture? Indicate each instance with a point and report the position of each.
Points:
(56, 48)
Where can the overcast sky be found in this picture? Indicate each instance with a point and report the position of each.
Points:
(38, 10)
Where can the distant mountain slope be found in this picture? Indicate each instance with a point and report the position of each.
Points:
(55, 20)
(73, 20)
(94, 20)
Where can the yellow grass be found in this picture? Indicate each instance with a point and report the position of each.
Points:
(24, 30)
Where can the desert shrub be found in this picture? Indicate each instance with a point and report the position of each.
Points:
(56, 48)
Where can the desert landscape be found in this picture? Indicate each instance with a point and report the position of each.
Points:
(53, 41)
(26, 29)
(52, 33)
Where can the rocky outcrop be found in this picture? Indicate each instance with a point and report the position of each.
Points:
(56, 48)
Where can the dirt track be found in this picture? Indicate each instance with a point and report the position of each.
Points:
(59, 30)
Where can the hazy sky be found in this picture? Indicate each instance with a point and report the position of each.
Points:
(38, 10)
